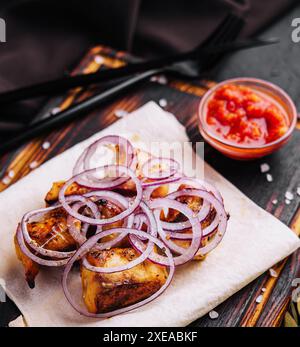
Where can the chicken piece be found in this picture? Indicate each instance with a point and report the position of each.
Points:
(108, 292)
(74, 188)
(31, 268)
(51, 233)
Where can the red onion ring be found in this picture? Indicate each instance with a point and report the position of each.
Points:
(219, 222)
(152, 231)
(201, 215)
(96, 221)
(155, 183)
(203, 185)
(185, 254)
(88, 245)
(83, 162)
(173, 167)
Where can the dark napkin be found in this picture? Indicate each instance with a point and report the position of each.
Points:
(46, 38)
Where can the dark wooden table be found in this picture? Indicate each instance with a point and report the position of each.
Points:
(278, 64)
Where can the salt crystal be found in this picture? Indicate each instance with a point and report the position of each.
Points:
(263, 289)
(213, 314)
(46, 145)
(259, 299)
(275, 202)
(273, 273)
(33, 165)
(11, 173)
(298, 191)
(289, 195)
(121, 113)
(287, 202)
(98, 59)
(55, 110)
(264, 167)
(6, 180)
(269, 177)
(162, 80)
(163, 102)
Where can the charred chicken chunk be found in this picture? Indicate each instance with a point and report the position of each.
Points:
(51, 233)
(108, 292)
(74, 188)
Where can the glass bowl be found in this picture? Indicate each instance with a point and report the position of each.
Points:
(242, 151)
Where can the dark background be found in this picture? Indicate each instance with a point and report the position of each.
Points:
(46, 38)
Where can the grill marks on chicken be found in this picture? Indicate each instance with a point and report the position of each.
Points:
(107, 292)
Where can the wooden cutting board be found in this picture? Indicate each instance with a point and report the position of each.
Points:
(182, 100)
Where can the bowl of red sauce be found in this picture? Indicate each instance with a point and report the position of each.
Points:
(246, 118)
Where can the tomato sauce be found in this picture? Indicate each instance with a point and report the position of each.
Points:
(246, 116)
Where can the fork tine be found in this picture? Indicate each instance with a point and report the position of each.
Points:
(226, 32)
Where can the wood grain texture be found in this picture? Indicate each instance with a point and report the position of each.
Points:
(183, 98)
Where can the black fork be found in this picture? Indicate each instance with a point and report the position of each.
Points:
(228, 31)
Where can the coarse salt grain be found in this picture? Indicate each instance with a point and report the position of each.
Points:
(98, 59)
(264, 167)
(263, 289)
(287, 202)
(273, 273)
(289, 195)
(275, 202)
(33, 165)
(121, 113)
(163, 102)
(298, 191)
(269, 177)
(259, 299)
(11, 173)
(6, 180)
(213, 314)
(55, 110)
(162, 80)
(46, 145)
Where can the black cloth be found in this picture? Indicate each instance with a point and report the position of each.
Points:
(46, 38)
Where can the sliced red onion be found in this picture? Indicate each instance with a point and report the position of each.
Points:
(171, 164)
(76, 232)
(115, 198)
(185, 254)
(201, 215)
(218, 235)
(89, 245)
(35, 258)
(155, 183)
(139, 220)
(152, 231)
(125, 147)
(84, 162)
(219, 222)
(96, 221)
(203, 185)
